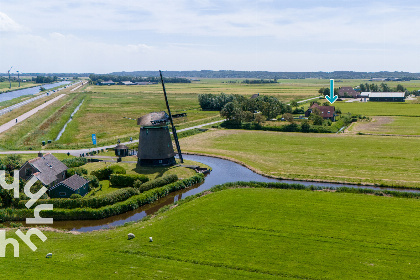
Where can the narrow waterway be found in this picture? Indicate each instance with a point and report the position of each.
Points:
(70, 119)
(223, 171)
(29, 91)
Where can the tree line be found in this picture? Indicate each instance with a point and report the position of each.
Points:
(94, 78)
(237, 108)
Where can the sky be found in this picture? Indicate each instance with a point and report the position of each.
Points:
(103, 36)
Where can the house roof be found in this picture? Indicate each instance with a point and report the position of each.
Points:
(349, 90)
(74, 182)
(255, 96)
(121, 147)
(326, 111)
(48, 167)
(387, 94)
(154, 119)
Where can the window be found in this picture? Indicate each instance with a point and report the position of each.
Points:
(62, 194)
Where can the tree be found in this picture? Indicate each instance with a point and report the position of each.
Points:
(362, 87)
(232, 112)
(258, 119)
(294, 104)
(400, 88)
(288, 117)
(305, 126)
(12, 162)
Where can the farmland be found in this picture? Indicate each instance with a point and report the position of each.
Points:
(263, 234)
(361, 159)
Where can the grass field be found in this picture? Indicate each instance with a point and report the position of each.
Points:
(390, 161)
(389, 126)
(4, 86)
(263, 234)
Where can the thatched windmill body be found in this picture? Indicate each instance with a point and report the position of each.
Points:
(155, 144)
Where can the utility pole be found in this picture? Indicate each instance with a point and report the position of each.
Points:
(10, 83)
(172, 122)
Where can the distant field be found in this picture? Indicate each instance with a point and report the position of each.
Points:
(4, 86)
(331, 157)
(389, 125)
(242, 234)
(380, 108)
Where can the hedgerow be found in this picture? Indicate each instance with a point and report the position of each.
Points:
(158, 182)
(124, 180)
(74, 162)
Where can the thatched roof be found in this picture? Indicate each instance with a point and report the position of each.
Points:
(154, 119)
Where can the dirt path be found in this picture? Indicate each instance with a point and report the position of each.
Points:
(22, 117)
(374, 126)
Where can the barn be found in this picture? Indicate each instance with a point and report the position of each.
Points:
(155, 144)
(387, 96)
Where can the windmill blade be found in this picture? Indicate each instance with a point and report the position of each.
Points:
(171, 120)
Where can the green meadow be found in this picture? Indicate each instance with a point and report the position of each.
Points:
(391, 161)
(262, 234)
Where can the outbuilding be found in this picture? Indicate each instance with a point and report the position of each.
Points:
(387, 96)
(72, 185)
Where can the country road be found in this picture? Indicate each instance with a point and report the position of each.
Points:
(84, 151)
(26, 115)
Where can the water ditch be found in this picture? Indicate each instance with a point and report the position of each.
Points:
(70, 119)
(223, 171)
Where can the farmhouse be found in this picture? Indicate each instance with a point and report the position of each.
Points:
(47, 168)
(347, 92)
(72, 185)
(326, 112)
(52, 174)
(387, 96)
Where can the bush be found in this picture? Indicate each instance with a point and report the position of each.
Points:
(156, 183)
(76, 170)
(74, 162)
(105, 173)
(75, 196)
(85, 213)
(93, 181)
(123, 181)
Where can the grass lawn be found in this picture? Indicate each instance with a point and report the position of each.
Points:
(242, 234)
(389, 125)
(390, 161)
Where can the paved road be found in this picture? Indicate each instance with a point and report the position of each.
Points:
(302, 101)
(22, 117)
(84, 151)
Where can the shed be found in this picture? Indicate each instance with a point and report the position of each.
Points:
(121, 150)
(72, 185)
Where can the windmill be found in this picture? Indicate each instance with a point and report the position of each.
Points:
(155, 144)
(10, 83)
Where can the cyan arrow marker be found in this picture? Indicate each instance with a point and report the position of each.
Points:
(332, 98)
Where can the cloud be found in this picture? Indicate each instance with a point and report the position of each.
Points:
(7, 24)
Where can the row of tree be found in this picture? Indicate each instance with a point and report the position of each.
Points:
(260, 81)
(94, 79)
(383, 87)
(44, 79)
(237, 108)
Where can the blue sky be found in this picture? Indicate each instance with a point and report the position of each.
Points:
(108, 35)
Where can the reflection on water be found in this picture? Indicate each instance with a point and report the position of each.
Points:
(223, 171)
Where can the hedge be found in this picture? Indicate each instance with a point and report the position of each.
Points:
(76, 170)
(132, 203)
(156, 183)
(74, 162)
(123, 180)
(105, 173)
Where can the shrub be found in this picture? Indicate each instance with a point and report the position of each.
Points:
(74, 162)
(75, 196)
(123, 180)
(105, 173)
(158, 182)
(93, 181)
(76, 170)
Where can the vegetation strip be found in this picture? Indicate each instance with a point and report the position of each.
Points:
(134, 202)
